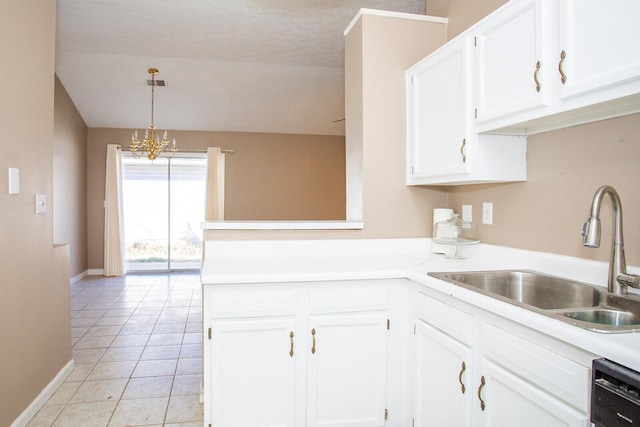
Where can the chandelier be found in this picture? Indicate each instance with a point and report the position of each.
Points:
(151, 143)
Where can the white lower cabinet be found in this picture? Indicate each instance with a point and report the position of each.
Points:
(511, 401)
(346, 370)
(252, 377)
(512, 375)
(443, 368)
(292, 355)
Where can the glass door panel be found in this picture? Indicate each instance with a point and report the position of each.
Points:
(187, 204)
(145, 200)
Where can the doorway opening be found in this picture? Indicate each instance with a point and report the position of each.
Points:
(163, 206)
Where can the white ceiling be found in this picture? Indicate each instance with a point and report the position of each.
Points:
(229, 65)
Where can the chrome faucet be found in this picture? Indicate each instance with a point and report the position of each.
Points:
(618, 279)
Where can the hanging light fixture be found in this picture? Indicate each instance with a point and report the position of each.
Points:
(151, 143)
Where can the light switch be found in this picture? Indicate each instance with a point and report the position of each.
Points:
(41, 203)
(14, 181)
(467, 213)
(487, 213)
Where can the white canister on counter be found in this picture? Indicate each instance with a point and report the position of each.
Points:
(439, 215)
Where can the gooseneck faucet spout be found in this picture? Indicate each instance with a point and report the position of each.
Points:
(618, 279)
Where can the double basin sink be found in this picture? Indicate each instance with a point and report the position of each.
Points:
(579, 304)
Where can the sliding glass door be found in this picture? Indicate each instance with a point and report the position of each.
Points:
(163, 206)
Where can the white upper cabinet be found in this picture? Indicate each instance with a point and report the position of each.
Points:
(443, 146)
(601, 45)
(438, 107)
(509, 62)
(548, 64)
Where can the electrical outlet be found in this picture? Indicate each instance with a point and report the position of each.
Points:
(487, 213)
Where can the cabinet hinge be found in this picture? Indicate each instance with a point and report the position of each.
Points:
(209, 333)
(388, 324)
(386, 414)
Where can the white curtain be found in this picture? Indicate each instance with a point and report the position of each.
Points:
(113, 219)
(214, 210)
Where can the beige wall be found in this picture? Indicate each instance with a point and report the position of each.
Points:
(69, 202)
(270, 177)
(378, 50)
(34, 276)
(462, 13)
(565, 168)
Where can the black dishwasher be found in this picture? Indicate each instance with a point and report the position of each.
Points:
(615, 395)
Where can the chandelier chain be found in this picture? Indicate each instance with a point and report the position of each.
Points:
(151, 143)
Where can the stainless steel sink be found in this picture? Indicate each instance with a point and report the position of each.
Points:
(579, 304)
(614, 313)
(527, 287)
(603, 316)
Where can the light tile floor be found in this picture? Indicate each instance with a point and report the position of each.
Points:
(137, 346)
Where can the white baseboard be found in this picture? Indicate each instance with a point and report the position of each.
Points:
(96, 272)
(78, 277)
(44, 395)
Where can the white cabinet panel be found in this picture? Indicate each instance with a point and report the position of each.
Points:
(510, 401)
(513, 376)
(346, 370)
(443, 146)
(251, 379)
(548, 64)
(558, 375)
(438, 110)
(508, 52)
(444, 391)
(601, 41)
(263, 366)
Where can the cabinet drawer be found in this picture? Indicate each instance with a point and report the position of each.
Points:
(255, 301)
(329, 299)
(545, 367)
(450, 320)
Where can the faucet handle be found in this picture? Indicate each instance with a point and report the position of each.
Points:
(632, 280)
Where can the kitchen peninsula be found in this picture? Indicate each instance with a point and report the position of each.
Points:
(273, 309)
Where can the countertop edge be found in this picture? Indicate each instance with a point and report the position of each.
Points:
(282, 225)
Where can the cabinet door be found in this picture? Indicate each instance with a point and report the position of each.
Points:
(250, 374)
(601, 41)
(444, 393)
(346, 372)
(508, 49)
(437, 112)
(511, 401)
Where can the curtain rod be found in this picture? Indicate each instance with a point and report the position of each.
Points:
(191, 150)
